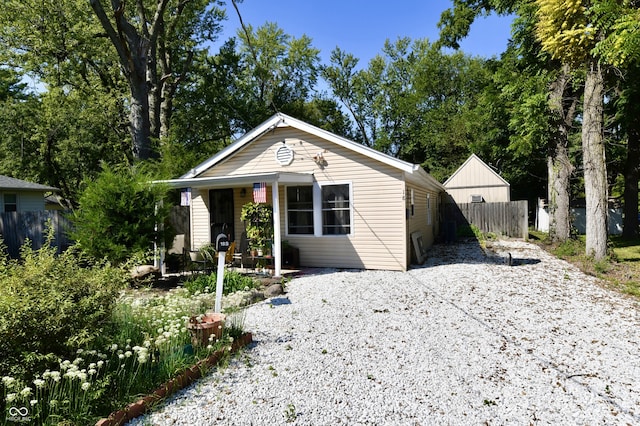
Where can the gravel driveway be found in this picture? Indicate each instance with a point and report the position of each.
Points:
(466, 339)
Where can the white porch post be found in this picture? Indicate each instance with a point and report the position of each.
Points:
(277, 246)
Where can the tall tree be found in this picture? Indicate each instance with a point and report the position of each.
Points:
(565, 31)
(279, 72)
(620, 46)
(412, 101)
(155, 43)
(537, 90)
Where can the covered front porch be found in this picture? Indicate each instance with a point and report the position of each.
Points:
(223, 198)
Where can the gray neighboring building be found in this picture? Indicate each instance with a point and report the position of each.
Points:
(18, 195)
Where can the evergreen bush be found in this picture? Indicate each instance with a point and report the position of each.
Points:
(118, 214)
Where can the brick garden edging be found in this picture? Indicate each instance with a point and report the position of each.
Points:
(188, 376)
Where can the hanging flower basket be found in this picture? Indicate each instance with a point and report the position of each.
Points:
(202, 327)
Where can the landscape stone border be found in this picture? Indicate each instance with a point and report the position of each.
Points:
(188, 376)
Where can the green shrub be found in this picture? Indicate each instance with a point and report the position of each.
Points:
(50, 306)
(118, 214)
(233, 281)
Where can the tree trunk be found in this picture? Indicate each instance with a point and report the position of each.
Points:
(631, 170)
(631, 176)
(558, 163)
(133, 52)
(595, 168)
(139, 116)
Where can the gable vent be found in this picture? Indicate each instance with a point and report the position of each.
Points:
(476, 199)
(284, 155)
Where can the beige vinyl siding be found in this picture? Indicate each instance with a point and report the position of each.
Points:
(419, 220)
(200, 218)
(476, 178)
(378, 238)
(489, 194)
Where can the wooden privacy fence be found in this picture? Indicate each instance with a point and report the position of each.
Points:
(16, 227)
(510, 218)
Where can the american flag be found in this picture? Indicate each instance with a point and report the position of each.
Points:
(260, 192)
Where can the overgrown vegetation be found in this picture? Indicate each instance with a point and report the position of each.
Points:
(50, 306)
(73, 348)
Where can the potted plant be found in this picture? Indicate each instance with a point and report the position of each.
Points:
(258, 219)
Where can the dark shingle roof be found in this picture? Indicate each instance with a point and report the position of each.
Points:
(9, 183)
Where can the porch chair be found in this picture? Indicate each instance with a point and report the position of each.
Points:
(243, 250)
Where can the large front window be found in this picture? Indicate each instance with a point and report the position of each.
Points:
(336, 210)
(300, 210)
(319, 209)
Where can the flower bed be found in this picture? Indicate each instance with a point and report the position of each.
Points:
(148, 342)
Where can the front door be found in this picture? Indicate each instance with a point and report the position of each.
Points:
(221, 212)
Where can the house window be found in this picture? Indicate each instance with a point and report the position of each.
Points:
(10, 202)
(336, 210)
(300, 210)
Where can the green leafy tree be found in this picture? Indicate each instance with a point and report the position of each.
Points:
(565, 31)
(155, 43)
(412, 101)
(539, 93)
(119, 213)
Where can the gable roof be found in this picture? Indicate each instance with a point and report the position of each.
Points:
(474, 157)
(283, 120)
(13, 184)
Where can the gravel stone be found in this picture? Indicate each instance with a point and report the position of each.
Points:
(464, 339)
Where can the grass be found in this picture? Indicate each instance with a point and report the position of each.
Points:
(620, 270)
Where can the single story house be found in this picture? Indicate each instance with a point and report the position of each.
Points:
(476, 182)
(21, 196)
(342, 204)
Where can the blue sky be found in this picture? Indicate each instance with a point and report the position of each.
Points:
(361, 27)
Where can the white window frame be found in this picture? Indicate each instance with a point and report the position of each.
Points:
(317, 212)
(318, 209)
(286, 211)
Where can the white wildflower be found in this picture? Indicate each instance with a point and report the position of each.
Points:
(85, 386)
(8, 381)
(25, 392)
(127, 354)
(33, 402)
(11, 397)
(39, 383)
